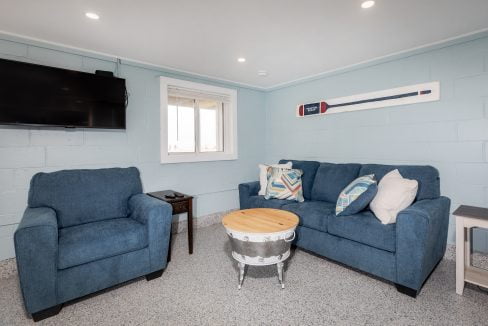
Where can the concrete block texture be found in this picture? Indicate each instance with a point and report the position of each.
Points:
(450, 134)
(25, 151)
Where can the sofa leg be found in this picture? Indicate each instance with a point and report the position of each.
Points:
(153, 275)
(406, 290)
(46, 313)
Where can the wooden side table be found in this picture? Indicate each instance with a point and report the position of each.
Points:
(181, 204)
(468, 217)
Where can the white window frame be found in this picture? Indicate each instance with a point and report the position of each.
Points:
(229, 122)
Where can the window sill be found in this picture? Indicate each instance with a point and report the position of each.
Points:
(190, 158)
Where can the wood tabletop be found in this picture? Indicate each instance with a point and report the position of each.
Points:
(260, 220)
(472, 211)
(162, 196)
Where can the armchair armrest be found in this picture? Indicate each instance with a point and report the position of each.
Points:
(247, 190)
(36, 250)
(421, 240)
(157, 216)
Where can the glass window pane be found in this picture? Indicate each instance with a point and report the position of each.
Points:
(181, 125)
(210, 126)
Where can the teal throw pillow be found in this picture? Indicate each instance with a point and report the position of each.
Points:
(356, 196)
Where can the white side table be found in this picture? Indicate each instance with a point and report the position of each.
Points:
(468, 217)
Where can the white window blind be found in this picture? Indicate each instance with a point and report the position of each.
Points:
(174, 91)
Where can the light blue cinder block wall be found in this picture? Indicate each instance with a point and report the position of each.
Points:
(451, 134)
(25, 151)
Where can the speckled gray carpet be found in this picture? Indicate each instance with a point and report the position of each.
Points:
(201, 289)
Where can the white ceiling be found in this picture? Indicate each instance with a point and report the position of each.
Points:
(291, 39)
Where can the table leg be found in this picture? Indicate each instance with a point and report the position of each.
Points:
(280, 273)
(168, 258)
(460, 260)
(242, 268)
(467, 247)
(190, 226)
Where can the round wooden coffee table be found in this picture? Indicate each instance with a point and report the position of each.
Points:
(260, 236)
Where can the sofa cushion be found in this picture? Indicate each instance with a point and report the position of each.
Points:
(331, 179)
(309, 169)
(427, 177)
(261, 202)
(83, 196)
(98, 240)
(312, 214)
(365, 228)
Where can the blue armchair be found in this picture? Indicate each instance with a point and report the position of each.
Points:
(87, 230)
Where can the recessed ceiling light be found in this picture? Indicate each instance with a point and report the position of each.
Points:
(241, 60)
(367, 4)
(92, 15)
(262, 73)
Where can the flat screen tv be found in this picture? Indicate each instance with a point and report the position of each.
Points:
(36, 95)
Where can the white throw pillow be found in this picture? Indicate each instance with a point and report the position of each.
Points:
(263, 175)
(395, 193)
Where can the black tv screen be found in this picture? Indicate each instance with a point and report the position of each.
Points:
(32, 94)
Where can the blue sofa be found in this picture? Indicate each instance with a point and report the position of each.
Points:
(404, 253)
(84, 231)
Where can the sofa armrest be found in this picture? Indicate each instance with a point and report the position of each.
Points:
(421, 233)
(157, 216)
(247, 190)
(36, 250)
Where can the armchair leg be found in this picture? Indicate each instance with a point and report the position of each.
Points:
(46, 313)
(153, 275)
(406, 290)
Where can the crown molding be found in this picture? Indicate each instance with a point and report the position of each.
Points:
(456, 40)
(27, 40)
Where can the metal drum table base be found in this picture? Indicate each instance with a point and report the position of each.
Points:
(260, 237)
(242, 269)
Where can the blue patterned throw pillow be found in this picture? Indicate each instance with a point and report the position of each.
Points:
(356, 196)
(284, 184)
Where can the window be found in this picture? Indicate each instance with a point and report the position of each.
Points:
(198, 122)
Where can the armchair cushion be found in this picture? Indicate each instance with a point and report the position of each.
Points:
(85, 243)
(83, 196)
